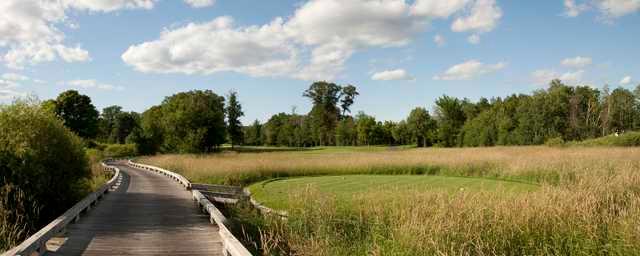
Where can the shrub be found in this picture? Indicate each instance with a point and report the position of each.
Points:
(555, 142)
(120, 150)
(629, 139)
(42, 160)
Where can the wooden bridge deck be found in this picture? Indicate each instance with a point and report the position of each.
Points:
(148, 214)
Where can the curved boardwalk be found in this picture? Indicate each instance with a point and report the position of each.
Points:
(148, 214)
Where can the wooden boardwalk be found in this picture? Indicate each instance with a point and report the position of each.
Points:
(148, 214)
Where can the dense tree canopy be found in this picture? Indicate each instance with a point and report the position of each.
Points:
(77, 113)
(234, 126)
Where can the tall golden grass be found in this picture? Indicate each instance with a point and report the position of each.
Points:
(538, 164)
(588, 203)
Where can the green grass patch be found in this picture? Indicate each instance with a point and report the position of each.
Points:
(277, 193)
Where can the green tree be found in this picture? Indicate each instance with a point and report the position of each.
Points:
(348, 95)
(346, 132)
(149, 137)
(421, 126)
(77, 113)
(124, 124)
(42, 159)
(253, 134)
(365, 126)
(193, 122)
(234, 126)
(451, 118)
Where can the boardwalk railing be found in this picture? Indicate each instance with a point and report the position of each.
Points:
(37, 243)
(231, 245)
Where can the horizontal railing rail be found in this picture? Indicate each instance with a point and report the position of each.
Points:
(177, 177)
(37, 243)
(231, 245)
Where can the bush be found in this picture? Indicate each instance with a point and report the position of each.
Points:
(120, 150)
(42, 160)
(629, 139)
(555, 142)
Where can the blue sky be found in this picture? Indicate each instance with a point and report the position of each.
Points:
(133, 53)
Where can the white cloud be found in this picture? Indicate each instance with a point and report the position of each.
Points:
(439, 40)
(474, 39)
(396, 74)
(484, 17)
(577, 62)
(544, 76)
(200, 3)
(108, 5)
(6, 94)
(618, 8)
(625, 80)
(469, 69)
(92, 84)
(214, 47)
(438, 8)
(14, 77)
(609, 9)
(313, 43)
(29, 32)
(572, 9)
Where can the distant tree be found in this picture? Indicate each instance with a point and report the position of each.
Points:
(348, 95)
(193, 122)
(124, 124)
(451, 118)
(622, 110)
(149, 137)
(106, 122)
(325, 112)
(346, 132)
(234, 112)
(77, 113)
(253, 134)
(365, 126)
(421, 126)
(401, 133)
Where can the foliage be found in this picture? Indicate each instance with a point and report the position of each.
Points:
(629, 139)
(234, 112)
(421, 127)
(42, 163)
(120, 150)
(77, 113)
(192, 122)
(555, 142)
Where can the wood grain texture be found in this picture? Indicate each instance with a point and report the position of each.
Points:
(148, 214)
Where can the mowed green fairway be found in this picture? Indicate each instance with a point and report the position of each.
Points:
(276, 193)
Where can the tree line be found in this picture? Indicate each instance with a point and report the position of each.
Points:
(201, 121)
(569, 113)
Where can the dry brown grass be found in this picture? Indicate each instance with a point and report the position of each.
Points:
(536, 164)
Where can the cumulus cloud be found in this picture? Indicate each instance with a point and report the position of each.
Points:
(544, 76)
(625, 80)
(577, 62)
(200, 3)
(29, 32)
(439, 40)
(618, 8)
(572, 9)
(92, 84)
(438, 9)
(315, 42)
(483, 17)
(469, 70)
(14, 77)
(396, 74)
(217, 46)
(609, 9)
(108, 5)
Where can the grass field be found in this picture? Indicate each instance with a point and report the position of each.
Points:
(277, 193)
(586, 201)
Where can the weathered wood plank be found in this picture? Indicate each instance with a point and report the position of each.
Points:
(148, 214)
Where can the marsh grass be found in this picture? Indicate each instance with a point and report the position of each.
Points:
(588, 202)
